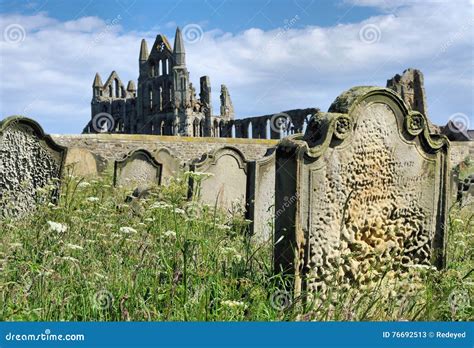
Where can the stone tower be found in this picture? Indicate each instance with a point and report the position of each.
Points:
(410, 86)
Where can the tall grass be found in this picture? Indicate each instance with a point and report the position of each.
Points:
(100, 256)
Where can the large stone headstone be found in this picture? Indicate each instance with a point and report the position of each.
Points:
(227, 185)
(261, 200)
(367, 186)
(137, 169)
(171, 165)
(83, 163)
(29, 160)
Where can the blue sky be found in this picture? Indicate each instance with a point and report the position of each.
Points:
(273, 55)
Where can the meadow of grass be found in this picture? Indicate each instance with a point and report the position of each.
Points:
(98, 256)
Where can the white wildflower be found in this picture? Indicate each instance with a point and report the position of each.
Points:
(149, 219)
(160, 205)
(127, 230)
(223, 227)
(57, 227)
(74, 246)
(179, 211)
(233, 304)
(92, 199)
(170, 234)
(83, 184)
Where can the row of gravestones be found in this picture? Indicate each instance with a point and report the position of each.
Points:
(232, 183)
(365, 185)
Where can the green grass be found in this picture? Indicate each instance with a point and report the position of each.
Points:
(164, 258)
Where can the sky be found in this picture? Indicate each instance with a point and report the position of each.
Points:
(273, 55)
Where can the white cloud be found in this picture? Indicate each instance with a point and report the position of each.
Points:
(48, 75)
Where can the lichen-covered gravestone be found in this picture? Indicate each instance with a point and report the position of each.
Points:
(227, 185)
(368, 186)
(29, 161)
(137, 169)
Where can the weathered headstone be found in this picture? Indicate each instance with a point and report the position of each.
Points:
(227, 185)
(83, 163)
(368, 186)
(29, 161)
(261, 200)
(170, 163)
(137, 169)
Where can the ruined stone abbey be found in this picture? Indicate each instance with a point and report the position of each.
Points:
(165, 102)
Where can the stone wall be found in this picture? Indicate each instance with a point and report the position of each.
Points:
(111, 147)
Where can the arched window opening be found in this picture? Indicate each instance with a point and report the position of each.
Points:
(161, 98)
(152, 69)
(117, 89)
(163, 128)
(201, 128)
(111, 91)
(150, 98)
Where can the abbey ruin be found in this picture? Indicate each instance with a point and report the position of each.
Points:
(165, 102)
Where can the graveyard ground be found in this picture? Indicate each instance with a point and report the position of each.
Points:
(100, 256)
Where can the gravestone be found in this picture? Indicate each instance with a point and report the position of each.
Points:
(261, 200)
(367, 186)
(227, 185)
(137, 169)
(29, 161)
(171, 165)
(83, 163)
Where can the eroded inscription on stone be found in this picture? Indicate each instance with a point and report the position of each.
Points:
(371, 195)
(137, 169)
(227, 183)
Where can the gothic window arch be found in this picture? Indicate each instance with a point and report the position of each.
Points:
(117, 88)
(150, 97)
(152, 69)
